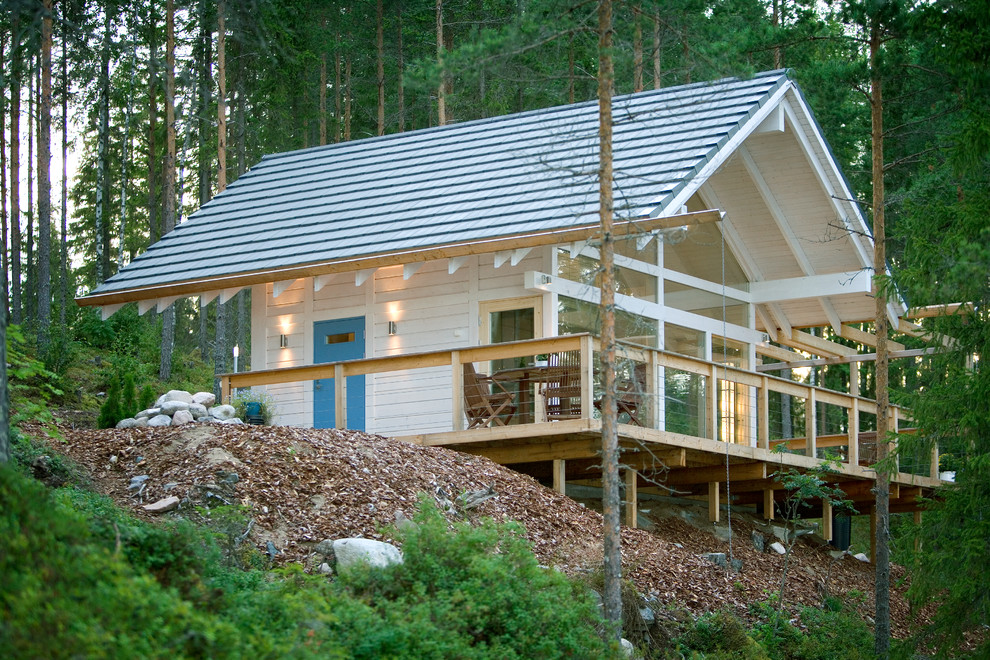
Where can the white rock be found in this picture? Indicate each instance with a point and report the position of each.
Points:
(160, 420)
(627, 648)
(232, 420)
(148, 412)
(350, 552)
(182, 417)
(178, 395)
(205, 399)
(141, 422)
(172, 407)
(161, 506)
(325, 568)
(862, 557)
(128, 423)
(198, 410)
(223, 412)
(778, 548)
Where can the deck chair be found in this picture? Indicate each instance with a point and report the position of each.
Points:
(630, 395)
(486, 401)
(561, 389)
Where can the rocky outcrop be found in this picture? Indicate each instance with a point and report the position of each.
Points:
(178, 407)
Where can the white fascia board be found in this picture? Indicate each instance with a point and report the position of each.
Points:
(810, 286)
(727, 150)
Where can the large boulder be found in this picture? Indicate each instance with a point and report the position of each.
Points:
(174, 395)
(206, 399)
(129, 423)
(172, 407)
(182, 417)
(223, 412)
(148, 413)
(198, 410)
(160, 420)
(352, 552)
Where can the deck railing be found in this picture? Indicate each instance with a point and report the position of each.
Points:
(672, 393)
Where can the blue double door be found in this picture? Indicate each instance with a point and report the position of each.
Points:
(338, 340)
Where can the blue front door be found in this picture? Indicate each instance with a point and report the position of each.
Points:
(338, 340)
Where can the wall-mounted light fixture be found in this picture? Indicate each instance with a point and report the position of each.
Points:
(283, 341)
(393, 328)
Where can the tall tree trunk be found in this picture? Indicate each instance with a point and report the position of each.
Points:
(63, 253)
(4, 400)
(125, 159)
(4, 233)
(168, 191)
(102, 166)
(570, 68)
(336, 93)
(401, 94)
(220, 335)
(610, 439)
(882, 586)
(656, 50)
(637, 50)
(154, 230)
(380, 47)
(30, 265)
(441, 88)
(15, 174)
(323, 99)
(348, 96)
(45, 182)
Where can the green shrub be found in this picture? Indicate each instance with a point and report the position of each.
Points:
(722, 636)
(834, 632)
(147, 397)
(472, 592)
(110, 412)
(128, 396)
(267, 402)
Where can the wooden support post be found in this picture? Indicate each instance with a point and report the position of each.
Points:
(631, 498)
(559, 475)
(226, 393)
(892, 425)
(713, 502)
(873, 534)
(854, 378)
(650, 417)
(827, 519)
(853, 423)
(811, 444)
(339, 396)
(457, 388)
(768, 504)
(763, 415)
(933, 470)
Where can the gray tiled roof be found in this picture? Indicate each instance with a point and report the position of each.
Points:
(504, 176)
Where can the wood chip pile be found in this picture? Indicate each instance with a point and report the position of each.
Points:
(305, 485)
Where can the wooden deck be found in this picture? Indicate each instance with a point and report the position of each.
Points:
(732, 418)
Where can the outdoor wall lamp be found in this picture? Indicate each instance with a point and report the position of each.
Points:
(283, 341)
(393, 328)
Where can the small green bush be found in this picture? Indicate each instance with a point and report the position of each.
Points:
(267, 402)
(722, 636)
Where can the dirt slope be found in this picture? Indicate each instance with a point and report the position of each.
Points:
(307, 485)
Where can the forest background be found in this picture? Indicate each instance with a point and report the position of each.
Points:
(93, 77)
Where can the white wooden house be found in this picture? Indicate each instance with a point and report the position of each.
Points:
(401, 257)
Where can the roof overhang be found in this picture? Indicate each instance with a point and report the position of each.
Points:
(622, 228)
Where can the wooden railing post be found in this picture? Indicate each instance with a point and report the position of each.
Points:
(763, 415)
(711, 418)
(632, 497)
(457, 390)
(810, 430)
(653, 410)
(587, 377)
(933, 470)
(226, 391)
(339, 396)
(853, 424)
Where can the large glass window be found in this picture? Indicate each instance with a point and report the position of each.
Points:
(586, 270)
(574, 316)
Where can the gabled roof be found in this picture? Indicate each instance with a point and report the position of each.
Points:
(508, 176)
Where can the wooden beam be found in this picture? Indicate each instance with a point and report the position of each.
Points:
(808, 342)
(784, 354)
(716, 473)
(559, 475)
(868, 338)
(930, 311)
(713, 502)
(631, 498)
(570, 449)
(845, 359)
(768, 504)
(192, 287)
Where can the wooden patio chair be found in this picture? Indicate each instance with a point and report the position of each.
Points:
(486, 401)
(561, 389)
(630, 395)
